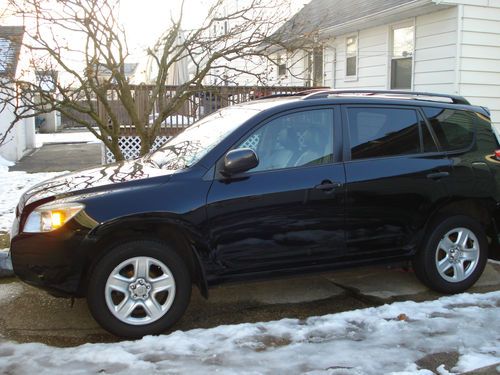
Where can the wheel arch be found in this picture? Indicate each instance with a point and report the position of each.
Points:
(183, 237)
(484, 210)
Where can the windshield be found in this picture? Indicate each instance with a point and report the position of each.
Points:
(196, 141)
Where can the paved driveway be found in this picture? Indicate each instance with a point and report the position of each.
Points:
(60, 157)
(31, 315)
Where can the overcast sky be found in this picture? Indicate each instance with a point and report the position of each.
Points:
(147, 19)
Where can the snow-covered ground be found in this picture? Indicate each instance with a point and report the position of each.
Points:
(67, 137)
(12, 185)
(384, 340)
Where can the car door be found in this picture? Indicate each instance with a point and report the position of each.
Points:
(394, 177)
(289, 210)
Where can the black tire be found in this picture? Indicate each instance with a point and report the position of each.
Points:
(158, 251)
(424, 262)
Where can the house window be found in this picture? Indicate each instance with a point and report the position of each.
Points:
(402, 57)
(281, 66)
(351, 69)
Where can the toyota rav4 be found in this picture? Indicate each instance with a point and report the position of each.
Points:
(277, 186)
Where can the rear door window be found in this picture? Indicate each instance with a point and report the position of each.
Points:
(381, 132)
(453, 128)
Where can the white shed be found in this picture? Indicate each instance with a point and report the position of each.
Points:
(21, 138)
(443, 46)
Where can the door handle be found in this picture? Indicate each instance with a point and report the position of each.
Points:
(328, 185)
(437, 175)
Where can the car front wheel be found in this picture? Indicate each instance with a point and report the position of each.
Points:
(453, 256)
(139, 288)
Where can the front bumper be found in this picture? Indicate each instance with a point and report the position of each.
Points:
(53, 261)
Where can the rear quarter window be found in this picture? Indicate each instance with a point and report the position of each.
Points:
(453, 128)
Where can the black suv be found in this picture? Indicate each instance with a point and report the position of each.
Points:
(285, 185)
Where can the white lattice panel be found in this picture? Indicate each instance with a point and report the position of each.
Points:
(251, 142)
(131, 147)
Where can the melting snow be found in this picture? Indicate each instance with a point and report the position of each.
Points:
(368, 341)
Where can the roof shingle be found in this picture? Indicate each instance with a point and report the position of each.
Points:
(321, 14)
(10, 46)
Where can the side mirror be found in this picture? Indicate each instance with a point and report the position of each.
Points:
(239, 160)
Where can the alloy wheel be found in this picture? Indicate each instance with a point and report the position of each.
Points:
(457, 255)
(140, 290)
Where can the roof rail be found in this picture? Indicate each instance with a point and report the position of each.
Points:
(296, 93)
(455, 99)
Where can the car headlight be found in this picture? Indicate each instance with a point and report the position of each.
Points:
(51, 216)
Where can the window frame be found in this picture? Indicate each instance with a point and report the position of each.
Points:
(390, 56)
(281, 64)
(336, 133)
(349, 55)
(419, 115)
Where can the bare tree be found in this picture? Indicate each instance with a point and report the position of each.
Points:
(80, 38)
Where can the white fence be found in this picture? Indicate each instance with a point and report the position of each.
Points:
(131, 147)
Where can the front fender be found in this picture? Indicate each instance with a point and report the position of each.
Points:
(185, 238)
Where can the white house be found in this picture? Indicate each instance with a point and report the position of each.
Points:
(21, 138)
(444, 46)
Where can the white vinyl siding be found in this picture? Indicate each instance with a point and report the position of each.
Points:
(457, 51)
(372, 60)
(435, 51)
(480, 57)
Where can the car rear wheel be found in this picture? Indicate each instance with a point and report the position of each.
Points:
(453, 256)
(139, 288)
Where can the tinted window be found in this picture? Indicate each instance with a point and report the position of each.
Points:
(293, 140)
(454, 129)
(196, 141)
(376, 132)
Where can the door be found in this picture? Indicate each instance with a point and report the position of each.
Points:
(394, 177)
(289, 210)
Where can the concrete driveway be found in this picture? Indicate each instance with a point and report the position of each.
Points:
(31, 315)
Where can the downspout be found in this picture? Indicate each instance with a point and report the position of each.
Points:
(413, 57)
(458, 53)
(334, 68)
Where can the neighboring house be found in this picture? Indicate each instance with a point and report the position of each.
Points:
(104, 72)
(21, 138)
(440, 46)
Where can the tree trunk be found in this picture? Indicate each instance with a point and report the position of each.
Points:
(117, 152)
(146, 143)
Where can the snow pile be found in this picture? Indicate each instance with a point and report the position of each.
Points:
(4, 164)
(66, 137)
(12, 185)
(383, 340)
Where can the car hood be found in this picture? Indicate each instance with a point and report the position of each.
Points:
(91, 180)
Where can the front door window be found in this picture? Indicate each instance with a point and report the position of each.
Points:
(294, 140)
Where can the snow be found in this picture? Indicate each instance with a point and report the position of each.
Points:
(12, 185)
(368, 341)
(66, 137)
(5, 163)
